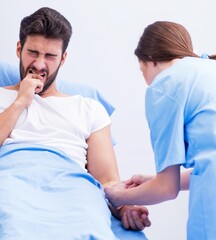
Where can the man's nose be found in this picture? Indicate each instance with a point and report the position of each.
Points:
(40, 62)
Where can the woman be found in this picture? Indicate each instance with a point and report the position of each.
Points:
(181, 113)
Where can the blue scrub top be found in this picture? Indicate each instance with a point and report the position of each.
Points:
(181, 113)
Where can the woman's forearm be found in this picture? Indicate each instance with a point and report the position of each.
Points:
(185, 180)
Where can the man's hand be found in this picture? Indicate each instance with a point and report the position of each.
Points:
(135, 217)
(132, 217)
(28, 87)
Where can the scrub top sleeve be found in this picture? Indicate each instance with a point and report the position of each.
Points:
(165, 118)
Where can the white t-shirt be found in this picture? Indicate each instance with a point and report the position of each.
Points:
(61, 122)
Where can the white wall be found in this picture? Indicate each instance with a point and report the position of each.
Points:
(105, 34)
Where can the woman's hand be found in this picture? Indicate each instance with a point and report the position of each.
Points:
(136, 180)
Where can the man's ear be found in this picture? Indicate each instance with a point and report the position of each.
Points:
(18, 49)
(63, 58)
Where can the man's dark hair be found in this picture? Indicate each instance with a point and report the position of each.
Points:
(48, 23)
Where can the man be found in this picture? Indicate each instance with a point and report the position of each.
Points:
(56, 141)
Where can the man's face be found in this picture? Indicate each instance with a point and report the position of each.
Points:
(41, 56)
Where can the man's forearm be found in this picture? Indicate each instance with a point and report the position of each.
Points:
(8, 119)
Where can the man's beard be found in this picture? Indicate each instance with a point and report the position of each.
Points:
(50, 79)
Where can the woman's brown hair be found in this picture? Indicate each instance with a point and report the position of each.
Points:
(164, 41)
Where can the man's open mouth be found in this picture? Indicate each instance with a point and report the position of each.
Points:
(42, 74)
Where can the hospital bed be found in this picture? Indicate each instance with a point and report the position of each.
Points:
(9, 75)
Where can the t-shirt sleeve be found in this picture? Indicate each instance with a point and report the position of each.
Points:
(100, 118)
(165, 118)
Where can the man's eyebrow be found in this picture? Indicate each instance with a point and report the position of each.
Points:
(51, 54)
(46, 54)
(31, 50)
